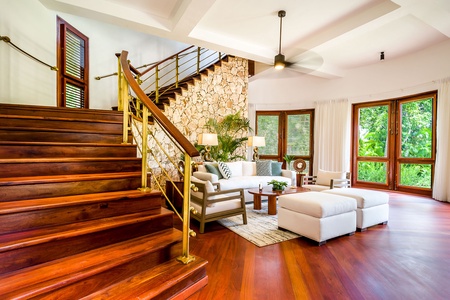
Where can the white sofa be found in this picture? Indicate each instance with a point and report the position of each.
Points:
(243, 175)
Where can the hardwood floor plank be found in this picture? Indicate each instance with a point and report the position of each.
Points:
(406, 259)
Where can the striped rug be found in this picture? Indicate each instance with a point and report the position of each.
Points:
(261, 229)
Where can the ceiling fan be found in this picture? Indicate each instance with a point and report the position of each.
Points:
(309, 61)
(279, 61)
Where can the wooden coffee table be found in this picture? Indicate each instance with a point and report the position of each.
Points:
(272, 197)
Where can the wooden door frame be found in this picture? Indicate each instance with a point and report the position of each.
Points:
(62, 27)
(394, 144)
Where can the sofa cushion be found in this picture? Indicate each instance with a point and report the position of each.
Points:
(248, 168)
(264, 168)
(276, 168)
(224, 170)
(209, 188)
(235, 168)
(324, 177)
(213, 169)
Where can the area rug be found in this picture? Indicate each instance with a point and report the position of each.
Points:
(261, 229)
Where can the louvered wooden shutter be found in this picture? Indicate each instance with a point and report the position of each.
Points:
(73, 83)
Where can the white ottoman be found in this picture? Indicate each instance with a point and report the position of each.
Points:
(373, 206)
(317, 215)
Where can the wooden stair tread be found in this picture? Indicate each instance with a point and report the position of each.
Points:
(22, 239)
(65, 178)
(64, 201)
(35, 280)
(65, 159)
(37, 110)
(160, 278)
(46, 118)
(60, 130)
(69, 144)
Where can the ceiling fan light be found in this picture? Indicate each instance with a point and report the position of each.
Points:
(279, 62)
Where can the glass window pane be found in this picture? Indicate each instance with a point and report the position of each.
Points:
(268, 127)
(372, 171)
(417, 133)
(373, 131)
(298, 134)
(418, 175)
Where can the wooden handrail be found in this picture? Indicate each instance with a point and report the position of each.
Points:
(156, 112)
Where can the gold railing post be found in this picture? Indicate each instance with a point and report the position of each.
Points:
(123, 102)
(198, 60)
(176, 70)
(156, 84)
(187, 232)
(144, 186)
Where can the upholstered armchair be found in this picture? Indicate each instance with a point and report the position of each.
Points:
(211, 204)
(325, 180)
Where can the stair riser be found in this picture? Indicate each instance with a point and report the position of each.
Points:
(77, 213)
(55, 151)
(90, 285)
(31, 110)
(62, 137)
(62, 247)
(172, 290)
(66, 168)
(43, 190)
(61, 124)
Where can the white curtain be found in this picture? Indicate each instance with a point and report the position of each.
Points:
(441, 186)
(332, 136)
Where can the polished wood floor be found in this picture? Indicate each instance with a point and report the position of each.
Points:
(407, 259)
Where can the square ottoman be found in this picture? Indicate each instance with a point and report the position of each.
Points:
(317, 215)
(373, 206)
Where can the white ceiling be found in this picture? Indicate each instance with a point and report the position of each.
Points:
(322, 37)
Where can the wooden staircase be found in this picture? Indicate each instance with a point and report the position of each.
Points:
(73, 224)
(169, 93)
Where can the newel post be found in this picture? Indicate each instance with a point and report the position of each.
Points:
(185, 258)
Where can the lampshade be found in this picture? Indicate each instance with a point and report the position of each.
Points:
(208, 139)
(258, 141)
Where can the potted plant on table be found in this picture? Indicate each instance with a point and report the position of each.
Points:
(277, 185)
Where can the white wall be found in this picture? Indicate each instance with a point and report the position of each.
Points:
(33, 27)
(385, 80)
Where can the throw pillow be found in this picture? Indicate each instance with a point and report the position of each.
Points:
(264, 168)
(276, 168)
(213, 169)
(224, 170)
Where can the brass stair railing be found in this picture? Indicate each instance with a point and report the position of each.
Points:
(160, 143)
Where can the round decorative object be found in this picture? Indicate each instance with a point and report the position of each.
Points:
(299, 165)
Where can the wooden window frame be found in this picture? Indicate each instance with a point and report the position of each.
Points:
(63, 77)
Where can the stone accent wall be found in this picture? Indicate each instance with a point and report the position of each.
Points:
(220, 93)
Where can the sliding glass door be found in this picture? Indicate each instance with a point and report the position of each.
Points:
(394, 144)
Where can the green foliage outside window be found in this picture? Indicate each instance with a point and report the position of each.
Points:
(268, 127)
(416, 142)
(373, 131)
